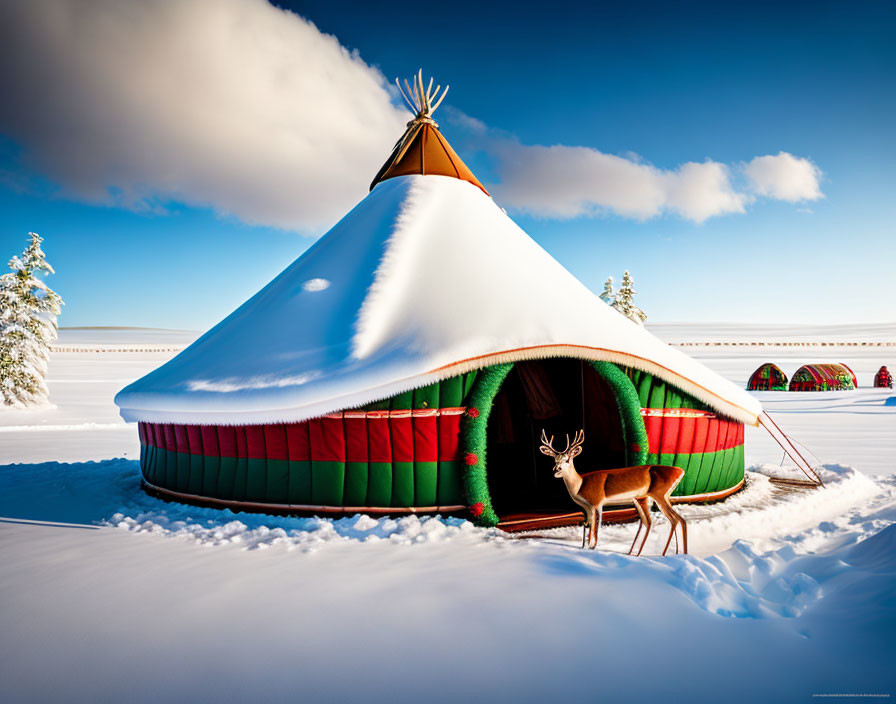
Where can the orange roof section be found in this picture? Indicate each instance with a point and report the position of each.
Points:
(423, 150)
(427, 152)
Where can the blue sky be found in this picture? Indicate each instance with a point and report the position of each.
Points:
(143, 231)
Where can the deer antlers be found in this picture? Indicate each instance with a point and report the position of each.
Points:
(548, 445)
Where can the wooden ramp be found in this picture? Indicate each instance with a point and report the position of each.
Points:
(520, 522)
(782, 489)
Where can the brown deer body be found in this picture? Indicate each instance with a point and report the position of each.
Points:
(640, 485)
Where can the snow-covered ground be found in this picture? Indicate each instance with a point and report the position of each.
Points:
(106, 593)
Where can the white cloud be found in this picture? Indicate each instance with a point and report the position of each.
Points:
(233, 104)
(784, 177)
(568, 182)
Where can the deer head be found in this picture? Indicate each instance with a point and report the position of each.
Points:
(562, 460)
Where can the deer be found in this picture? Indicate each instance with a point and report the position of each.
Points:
(641, 484)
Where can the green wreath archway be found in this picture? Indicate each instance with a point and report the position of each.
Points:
(479, 409)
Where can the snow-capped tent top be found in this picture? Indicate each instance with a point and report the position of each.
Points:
(422, 149)
(404, 291)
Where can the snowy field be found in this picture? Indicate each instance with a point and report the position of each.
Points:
(108, 594)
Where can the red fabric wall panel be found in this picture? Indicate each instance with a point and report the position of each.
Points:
(241, 446)
(209, 440)
(355, 439)
(255, 446)
(227, 441)
(449, 438)
(170, 441)
(327, 440)
(712, 437)
(701, 433)
(297, 440)
(653, 425)
(182, 444)
(194, 438)
(426, 439)
(379, 440)
(275, 442)
(402, 439)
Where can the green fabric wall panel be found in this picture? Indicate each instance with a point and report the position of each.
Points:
(356, 479)
(197, 473)
(240, 479)
(379, 484)
(211, 473)
(402, 401)
(427, 396)
(426, 483)
(327, 483)
(227, 478)
(147, 463)
(736, 470)
(469, 381)
(402, 484)
(299, 482)
(276, 491)
(451, 392)
(451, 486)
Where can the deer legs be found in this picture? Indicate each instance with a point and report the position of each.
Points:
(642, 505)
(592, 524)
(675, 520)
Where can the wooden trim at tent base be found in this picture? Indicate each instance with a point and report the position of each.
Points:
(520, 522)
(513, 523)
(711, 496)
(292, 509)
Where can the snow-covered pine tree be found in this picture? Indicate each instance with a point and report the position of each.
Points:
(28, 310)
(625, 300)
(609, 295)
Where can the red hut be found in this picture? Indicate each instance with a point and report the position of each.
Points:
(883, 379)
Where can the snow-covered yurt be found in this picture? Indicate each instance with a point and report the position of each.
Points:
(408, 361)
(823, 377)
(768, 377)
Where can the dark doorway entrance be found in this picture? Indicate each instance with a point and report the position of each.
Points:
(561, 396)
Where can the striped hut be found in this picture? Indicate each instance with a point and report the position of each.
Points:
(398, 367)
(767, 378)
(823, 377)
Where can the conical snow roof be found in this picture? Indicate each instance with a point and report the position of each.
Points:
(424, 279)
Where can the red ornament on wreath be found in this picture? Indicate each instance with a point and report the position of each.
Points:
(470, 459)
(477, 509)
(473, 412)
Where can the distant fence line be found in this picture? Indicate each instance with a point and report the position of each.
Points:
(57, 349)
(54, 348)
(783, 344)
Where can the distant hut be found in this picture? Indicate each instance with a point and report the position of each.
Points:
(883, 379)
(767, 378)
(823, 377)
